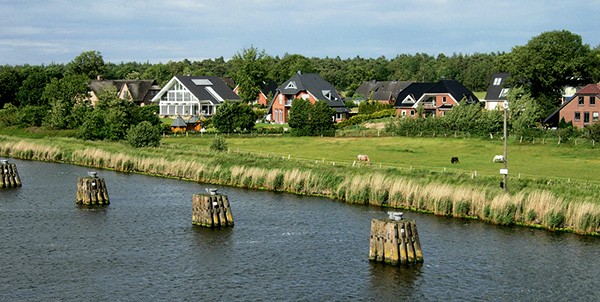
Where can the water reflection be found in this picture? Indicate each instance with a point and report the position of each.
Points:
(387, 281)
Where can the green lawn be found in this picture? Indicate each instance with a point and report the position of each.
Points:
(525, 160)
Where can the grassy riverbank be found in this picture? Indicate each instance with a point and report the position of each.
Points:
(557, 187)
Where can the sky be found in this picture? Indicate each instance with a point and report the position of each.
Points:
(56, 31)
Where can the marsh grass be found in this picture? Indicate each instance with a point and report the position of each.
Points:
(372, 186)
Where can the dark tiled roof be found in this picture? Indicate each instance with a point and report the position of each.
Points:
(381, 90)
(452, 87)
(493, 91)
(202, 91)
(316, 86)
(140, 89)
(178, 122)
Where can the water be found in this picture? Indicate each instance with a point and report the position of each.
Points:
(282, 247)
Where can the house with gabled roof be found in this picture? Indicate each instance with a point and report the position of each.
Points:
(267, 90)
(495, 94)
(435, 98)
(140, 92)
(311, 87)
(384, 92)
(582, 109)
(193, 95)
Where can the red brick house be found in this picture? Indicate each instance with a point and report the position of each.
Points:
(436, 98)
(582, 109)
(310, 87)
(267, 90)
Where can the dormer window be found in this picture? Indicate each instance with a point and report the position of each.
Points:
(327, 94)
(291, 85)
(497, 81)
(503, 92)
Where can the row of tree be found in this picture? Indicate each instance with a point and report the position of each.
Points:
(48, 95)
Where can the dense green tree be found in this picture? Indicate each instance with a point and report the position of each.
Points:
(299, 117)
(9, 85)
(62, 94)
(289, 65)
(233, 117)
(525, 113)
(306, 119)
(548, 63)
(250, 72)
(88, 63)
(143, 134)
(321, 122)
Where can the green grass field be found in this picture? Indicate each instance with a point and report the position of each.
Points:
(549, 161)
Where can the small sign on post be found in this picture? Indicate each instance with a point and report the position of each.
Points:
(504, 171)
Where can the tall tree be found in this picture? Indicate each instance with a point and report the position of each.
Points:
(88, 63)
(250, 72)
(233, 116)
(548, 63)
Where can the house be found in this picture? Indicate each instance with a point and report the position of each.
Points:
(193, 95)
(582, 109)
(435, 98)
(267, 90)
(178, 125)
(496, 92)
(140, 92)
(310, 87)
(381, 91)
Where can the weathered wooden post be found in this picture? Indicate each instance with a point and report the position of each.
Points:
(92, 190)
(9, 176)
(211, 209)
(395, 240)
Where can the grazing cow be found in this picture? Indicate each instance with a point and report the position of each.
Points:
(363, 157)
(454, 160)
(498, 159)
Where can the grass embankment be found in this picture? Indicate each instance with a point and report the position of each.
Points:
(557, 187)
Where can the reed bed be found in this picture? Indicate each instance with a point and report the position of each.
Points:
(357, 186)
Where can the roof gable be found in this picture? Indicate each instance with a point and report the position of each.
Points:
(209, 88)
(415, 91)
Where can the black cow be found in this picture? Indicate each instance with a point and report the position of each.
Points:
(454, 160)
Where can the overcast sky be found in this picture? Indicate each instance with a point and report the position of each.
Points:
(47, 31)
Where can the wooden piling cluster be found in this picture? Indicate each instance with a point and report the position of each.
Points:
(211, 210)
(395, 242)
(92, 191)
(9, 176)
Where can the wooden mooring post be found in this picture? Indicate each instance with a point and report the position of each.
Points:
(92, 190)
(395, 240)
(211, 209)
(9, 176)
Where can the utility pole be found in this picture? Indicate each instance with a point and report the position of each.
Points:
(504, 172)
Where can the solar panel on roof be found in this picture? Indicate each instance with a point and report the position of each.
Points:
(202, 82)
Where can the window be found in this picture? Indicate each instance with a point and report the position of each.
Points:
(586, 117)
(280, 99)
(497, 81)
(444, 99)
(503, 92)
(291, 85)
(412, 113)
(327, 94)
(594, 116)
(577, 116)
(581, 101)
(592, 100)
(403, 113)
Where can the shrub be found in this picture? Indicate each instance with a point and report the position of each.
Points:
(143, 134)
(219, 144)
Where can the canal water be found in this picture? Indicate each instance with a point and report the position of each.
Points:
(143, 247)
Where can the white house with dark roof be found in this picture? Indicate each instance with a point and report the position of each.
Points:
(193, 95)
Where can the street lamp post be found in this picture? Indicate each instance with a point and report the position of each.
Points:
(505, 172)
